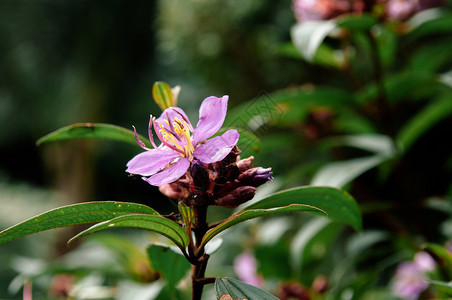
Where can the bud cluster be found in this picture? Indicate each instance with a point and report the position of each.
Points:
(228, 183)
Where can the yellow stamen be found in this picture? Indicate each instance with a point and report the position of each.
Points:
(181, 128)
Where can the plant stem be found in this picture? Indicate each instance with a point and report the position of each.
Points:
(201, 258)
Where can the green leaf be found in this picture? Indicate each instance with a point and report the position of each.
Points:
(338, 205)
(155, 223)
(93, 131)
(357, 22)
(162, 94)
(286, 107)
(237, 290)
(443, 286)
(308, 36)
(338, 174)
(82, 213)
(187, 216)
(248, 214)
(429, 22)
(424, 120)
(171, 265)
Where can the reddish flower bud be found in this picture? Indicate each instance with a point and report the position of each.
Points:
(236, 197)
(174, 190)
(245, 164)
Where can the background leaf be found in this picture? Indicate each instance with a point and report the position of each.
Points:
(93, 131)
(239, 290)
(339, 205)
(424, 120)
(171, 265)
(308, 36)
(155, 223)
(254, 213)
(82, 213)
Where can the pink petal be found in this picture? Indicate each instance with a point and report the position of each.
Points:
(150, 162)
(171, 174)
(211, 117)
(217, 148)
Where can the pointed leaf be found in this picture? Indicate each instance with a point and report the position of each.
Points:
(82, 213)
(236, 289)
(155, 223)
(254, 213)
(337, 204)
(93, 131)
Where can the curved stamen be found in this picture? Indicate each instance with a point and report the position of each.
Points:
(139, 142)
(162, 139)
(187, 121)
(172, 130)
(151, 136)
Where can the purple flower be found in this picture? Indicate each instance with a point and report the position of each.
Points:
(410, 276)
(245, 266)
(181, 144)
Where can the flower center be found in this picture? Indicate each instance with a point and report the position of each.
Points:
(177, 137)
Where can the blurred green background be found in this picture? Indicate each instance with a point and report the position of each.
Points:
(370, 113)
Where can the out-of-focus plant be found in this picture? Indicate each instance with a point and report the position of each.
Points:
(375, 124)
(199, 171)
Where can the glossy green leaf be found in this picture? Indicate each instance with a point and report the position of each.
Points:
(82, 213)
(308, 36)
(338, 204)
(171, 265)
(93, 131)
(187, 216)
(162, 94)
(424, 120)
(237, 290)
(155, 223)
(248, 214)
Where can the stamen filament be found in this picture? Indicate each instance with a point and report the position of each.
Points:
(151, 136)
(164, 141)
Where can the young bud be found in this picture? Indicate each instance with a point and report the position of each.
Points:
(262, 176)
(174, 190)
(236, 197)
(245, 164)
(255, 176)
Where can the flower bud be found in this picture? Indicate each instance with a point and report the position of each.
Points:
(256, 176)
(174, 190)
(236, 197)
(200, 176)
(262, 176)
(245, 164)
